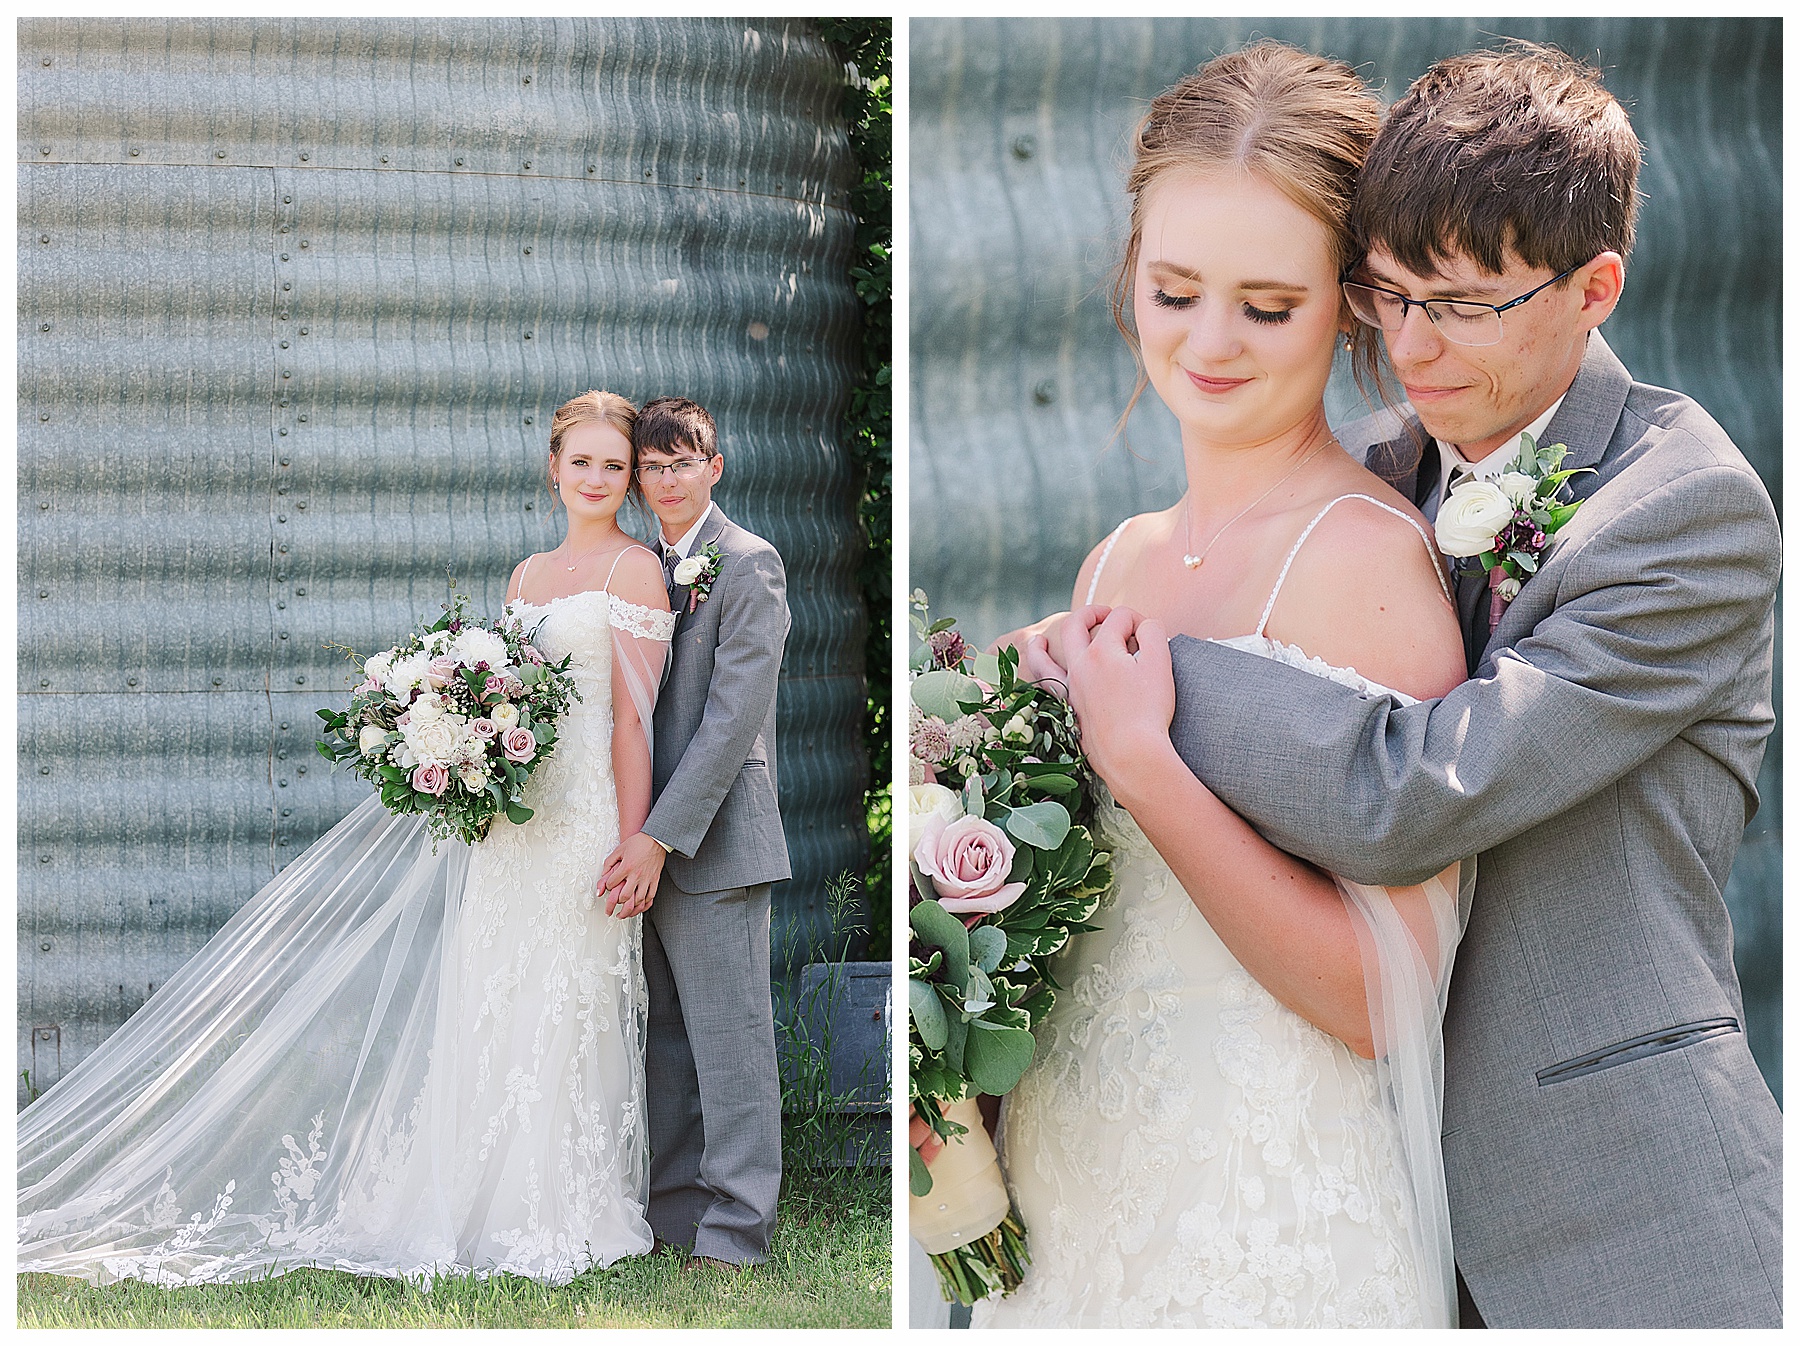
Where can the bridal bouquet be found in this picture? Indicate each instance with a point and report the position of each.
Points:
(1003, 872)
(452, 721)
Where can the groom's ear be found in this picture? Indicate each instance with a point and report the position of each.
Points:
(1600, 283)
(718, 468)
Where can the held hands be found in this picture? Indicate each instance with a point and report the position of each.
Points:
(1122, 687)
(628, 879)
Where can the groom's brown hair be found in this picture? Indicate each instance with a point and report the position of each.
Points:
(1520, 151)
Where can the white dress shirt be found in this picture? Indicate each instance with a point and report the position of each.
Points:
(1493, 464)
(686, 544)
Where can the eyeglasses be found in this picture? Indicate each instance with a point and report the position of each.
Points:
(686, 469)
(1461, 321)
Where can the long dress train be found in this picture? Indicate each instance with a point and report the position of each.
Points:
(397, 1059)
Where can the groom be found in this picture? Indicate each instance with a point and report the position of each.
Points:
(709, 850)
(1612, 1153)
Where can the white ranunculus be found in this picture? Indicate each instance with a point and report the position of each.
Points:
(925, 802)
(688, 570)
(505, 715)
(476, 646)
(474, 777)
(1468, 520)
(435, 741)
(378, 666)
(407, 673)
(427, 707)
(1519, 487)
(369, 742)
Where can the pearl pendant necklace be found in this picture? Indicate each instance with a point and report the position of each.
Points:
(1193, 561)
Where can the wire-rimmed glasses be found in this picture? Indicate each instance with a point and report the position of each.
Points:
(1463, 322)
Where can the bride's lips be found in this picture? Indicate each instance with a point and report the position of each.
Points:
(1207, 385)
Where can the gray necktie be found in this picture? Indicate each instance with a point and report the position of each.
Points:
(669, 560)
(1472, 600)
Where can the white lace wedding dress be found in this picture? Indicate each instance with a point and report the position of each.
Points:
(1187, 1151)
(395, 1060)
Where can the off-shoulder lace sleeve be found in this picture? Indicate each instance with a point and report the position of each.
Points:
(634, 619)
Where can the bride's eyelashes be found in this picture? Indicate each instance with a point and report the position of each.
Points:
(1163, 299)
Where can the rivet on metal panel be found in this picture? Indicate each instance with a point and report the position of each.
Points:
(528, 252)
(287, 200)
(527, 165)
(287, 374)
(305, 244)
(1044, 394)
(46, 60)
(287, 284)
(218, 682)
(304, 156)
(44, 416)
(43, 327)
(281, 841)
(285, 812)
(284, 429)
(283, 402)
(301, 682)
(43, 149)
(284, 345)
(646, 172)
(284, 462)
(301, 592)
(284, 724)
(131, 682)
(283, 550)
(43, 593)
(284, 228)
(528, 336)
(134, 153)
(303, 331)
(528, 420)
(45, 946)
(459, 163)
(282, 784)
(303, 417)
(527, 78)
(281, 603)
(281, 518)
(384, 158)
(43, 771)
(221, 154)
(45, 682)
(284, 257)
(1023, 147)
(43, 859)
(43, 238)
(590, 168)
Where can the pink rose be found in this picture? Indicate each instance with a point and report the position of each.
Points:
(483, 729)
(520, 744)
(967, 861)
(441, 670)
(431, 780)
(530, 652)
(366, 685)
(495, 686)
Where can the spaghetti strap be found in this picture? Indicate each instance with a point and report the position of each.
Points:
(606, 584)
(524, 570)
(1306, 532)
(1106, 551)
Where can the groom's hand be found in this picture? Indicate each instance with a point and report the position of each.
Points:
(1122, 687)
(628, 879)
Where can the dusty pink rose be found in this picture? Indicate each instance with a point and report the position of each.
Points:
(441, 670)
(520, 745)
(483, 728)
(431, 780)
(494, 687)
(366, 685)
(530, 652)
(967, 861)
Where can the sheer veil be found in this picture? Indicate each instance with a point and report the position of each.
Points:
(1408, 938)
(259, 1111)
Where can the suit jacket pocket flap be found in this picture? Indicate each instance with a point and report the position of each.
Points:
(1636, 1049)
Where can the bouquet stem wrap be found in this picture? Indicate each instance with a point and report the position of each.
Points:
(968, 1196)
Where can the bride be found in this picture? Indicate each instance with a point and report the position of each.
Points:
(1232, 1116)
(399, 1058)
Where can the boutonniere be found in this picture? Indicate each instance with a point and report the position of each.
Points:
(698, 572)
(1508, 523)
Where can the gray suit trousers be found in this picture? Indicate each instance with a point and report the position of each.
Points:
(715, 1097)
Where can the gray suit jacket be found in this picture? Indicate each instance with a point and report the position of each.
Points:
(1612, 1153)
(714, 774)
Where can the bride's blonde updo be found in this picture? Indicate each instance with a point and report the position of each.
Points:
(590, 408)
(1300, 122)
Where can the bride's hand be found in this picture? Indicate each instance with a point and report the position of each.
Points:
(629, 877)
(1122, 687)
(1043, 657)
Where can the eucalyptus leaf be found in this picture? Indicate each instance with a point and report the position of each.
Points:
(928, 1016)
(1043, 825)
(996, 1058)
(974, 804)
(1524, 561)
(945, 693)
(919, 1177)
(987, 946)
(987, 668)
(938, 929)
(978, 995)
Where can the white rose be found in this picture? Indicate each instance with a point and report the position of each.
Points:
(688, 570)
(378, 666)
(1468, 520)
(427, 707)
(407, 673)
(505, 715)
(476, 646)
(1518, 486)
(435, 740)
(369, 742)
(925, 802)
(474, 777)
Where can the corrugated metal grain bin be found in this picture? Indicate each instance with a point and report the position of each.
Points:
(1019, 137)
(296, 299)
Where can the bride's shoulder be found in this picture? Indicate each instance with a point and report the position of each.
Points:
(1367, 591)
(637, 577)
(1115, 552)
(516, 582)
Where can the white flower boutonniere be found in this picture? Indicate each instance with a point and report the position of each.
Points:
(698, 572)
(1509, 523)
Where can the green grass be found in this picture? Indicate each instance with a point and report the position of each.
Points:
(830, 1266)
